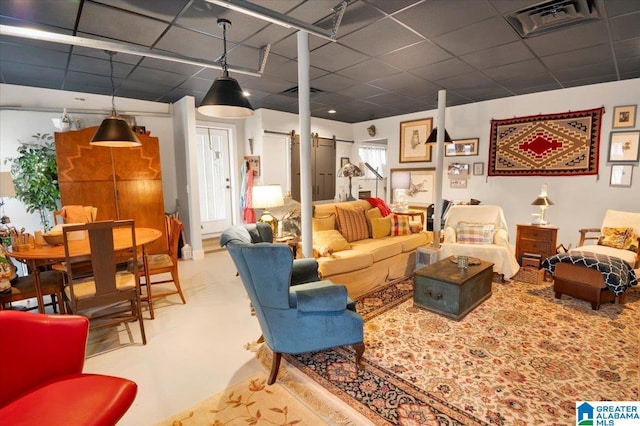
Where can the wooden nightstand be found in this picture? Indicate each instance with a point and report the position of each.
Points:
(536, 239)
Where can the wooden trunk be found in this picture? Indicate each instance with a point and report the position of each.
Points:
(123, 183)
(582, 283)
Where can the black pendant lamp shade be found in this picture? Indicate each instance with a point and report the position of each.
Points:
(114, 131)
(225, 98)
(433, 137)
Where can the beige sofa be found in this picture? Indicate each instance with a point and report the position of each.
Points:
(369, 263)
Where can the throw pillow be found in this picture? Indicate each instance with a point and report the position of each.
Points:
(323, 223)
(613, 237)
(380, 227)
(631, 243)
(327, 242)
(400, 225)
(352, 224)
(475, 233)
(373, 213)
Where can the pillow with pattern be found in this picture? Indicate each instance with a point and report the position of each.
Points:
(400, 225)
(475, 233)
(631, 242)
(352, 224)
(613, 237)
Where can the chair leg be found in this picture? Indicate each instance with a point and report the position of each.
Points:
(137, 305)
(275, 366)
(359, 348)
(176, 281)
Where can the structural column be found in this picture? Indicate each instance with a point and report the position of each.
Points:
(439, 154)
(304, 114)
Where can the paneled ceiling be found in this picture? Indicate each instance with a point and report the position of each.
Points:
(391, 56)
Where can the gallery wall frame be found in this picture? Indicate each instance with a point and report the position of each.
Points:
(458, 183)
(621, 175)
(413, 135)
(624, 147)
(458, 170)
(344, 161)
(478, 168)
(421, 188)
(624, 116)
(254, 164)
(462, 147)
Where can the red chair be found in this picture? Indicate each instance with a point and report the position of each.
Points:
(41, 378)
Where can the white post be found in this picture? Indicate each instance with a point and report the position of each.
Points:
(304, 115)
(439, 157)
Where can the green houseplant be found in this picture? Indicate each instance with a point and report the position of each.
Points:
(35, 176)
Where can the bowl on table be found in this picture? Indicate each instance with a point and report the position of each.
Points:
(53, 238)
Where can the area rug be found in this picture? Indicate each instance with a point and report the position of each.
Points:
(521, 357)
(565, 144)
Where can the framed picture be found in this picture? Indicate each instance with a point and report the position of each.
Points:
(462, 147)
(254, 164)
(458, 183)
(621, 175)
(418, 183)
(413, 135)
(623, 147)
(478, 169)
(458, 170)
(624, 116)
(344, 161)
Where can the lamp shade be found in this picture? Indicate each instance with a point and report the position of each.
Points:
(6, 185)
(434, 135)
(400, 180)
(266, 196)
(350, 170)
(225, 99)
(115, 132)
(542, 201)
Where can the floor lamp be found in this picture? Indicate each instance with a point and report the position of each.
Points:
(377, 175)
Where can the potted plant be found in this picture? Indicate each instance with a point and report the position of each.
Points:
(35, 176)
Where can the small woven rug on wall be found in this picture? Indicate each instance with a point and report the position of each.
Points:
(564, 144)
(521, 357)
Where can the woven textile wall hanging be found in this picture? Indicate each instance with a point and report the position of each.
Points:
(565, 144)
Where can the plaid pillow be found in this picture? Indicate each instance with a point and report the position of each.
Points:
(352, 224)
(475, 233)
(400, 225)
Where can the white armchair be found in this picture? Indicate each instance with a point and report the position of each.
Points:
(482, 232)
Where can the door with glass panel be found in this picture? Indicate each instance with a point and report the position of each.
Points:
(214, 180)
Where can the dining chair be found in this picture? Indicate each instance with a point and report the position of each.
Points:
(102, 296)
(23, 288)
(75, 214)
(162, 263)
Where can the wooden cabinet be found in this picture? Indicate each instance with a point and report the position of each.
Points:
(536, 239)
(123, 183)
(323, 168)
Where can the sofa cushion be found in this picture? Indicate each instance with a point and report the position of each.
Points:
(344, 261)
(613, 237)
(380, 227)
(412, 241)
(352, 223)
(323, 223)
(328, 242)
(400, 225)
(382, 248)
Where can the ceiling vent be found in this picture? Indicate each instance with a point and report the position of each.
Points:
(293, 92)
(552, 15)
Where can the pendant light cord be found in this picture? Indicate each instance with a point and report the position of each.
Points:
(113, 86)
(223, 23)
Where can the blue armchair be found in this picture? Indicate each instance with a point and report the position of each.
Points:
(293, 318)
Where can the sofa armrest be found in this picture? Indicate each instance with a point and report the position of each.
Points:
(324, 299)
(501, 238)
(304, 271)
(585, 235)
(449, 235)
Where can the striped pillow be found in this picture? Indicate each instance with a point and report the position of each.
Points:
(400, 225)
(475, 233)
(352, 224)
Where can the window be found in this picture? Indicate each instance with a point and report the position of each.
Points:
(376, 156)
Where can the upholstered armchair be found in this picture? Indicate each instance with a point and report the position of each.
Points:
(293, 318)
(482, 232)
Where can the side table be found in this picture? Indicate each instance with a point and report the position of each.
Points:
(536, 239)
(413, 213)
(292, 241)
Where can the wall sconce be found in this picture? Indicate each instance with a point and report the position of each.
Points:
(543, 202)
(266, 197)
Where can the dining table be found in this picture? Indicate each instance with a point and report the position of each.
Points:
(38, 256)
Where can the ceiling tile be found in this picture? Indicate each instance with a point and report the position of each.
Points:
(24, 74)
(369, 70)
(34, 55)
(625, 27)
(332, 82)
(472, 79)
(192, 44)
(627, 49)
(416, 55)
(444, 69)
(577, 58)
(392, 6)
(395, 36)
(165, 10)
(334, 57)
(488, 33)
(60, 14)
(568, 39)
(164, 78)
(620, 7)
(579, 73)
(505, 72)
(86, 64)
(356, 16)
(533, 80)
(361, 91)
(406, 84)
(500, 55)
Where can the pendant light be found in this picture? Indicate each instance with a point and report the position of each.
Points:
(225, 98)
(114, 130)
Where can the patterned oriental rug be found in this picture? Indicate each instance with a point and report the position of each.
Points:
(565, 144)
(521, 357)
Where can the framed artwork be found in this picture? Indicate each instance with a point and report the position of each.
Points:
(458, 183)
(421, 185)
(458, 170)
(462, 147)
(623, 147)
(344, 161)
(478, 169)
(254, 164)
(624, 116)
(413, 135)
(621, 175)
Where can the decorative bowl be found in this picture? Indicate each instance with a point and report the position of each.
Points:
(53, 238)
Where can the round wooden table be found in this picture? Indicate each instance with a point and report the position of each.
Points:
(44, 255)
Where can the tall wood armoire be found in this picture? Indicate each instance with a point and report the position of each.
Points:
(123, 183)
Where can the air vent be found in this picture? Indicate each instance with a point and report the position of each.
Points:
(552, 15)
(293, 92)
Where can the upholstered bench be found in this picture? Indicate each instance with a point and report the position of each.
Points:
(582, 283)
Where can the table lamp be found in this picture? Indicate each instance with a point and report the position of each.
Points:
(350, 170)
(400, 184)
(266, 197)
(543, 202)
(6, 190)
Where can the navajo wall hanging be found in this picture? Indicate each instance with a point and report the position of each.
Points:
(564, 144)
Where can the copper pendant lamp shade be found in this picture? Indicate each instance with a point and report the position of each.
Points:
(225, 98)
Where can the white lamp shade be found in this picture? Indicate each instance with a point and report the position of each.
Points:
(6, 185)
(266, 196)
(401, 180)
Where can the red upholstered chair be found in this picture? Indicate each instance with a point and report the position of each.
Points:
(41, 377)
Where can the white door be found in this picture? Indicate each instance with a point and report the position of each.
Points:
(214, 179)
